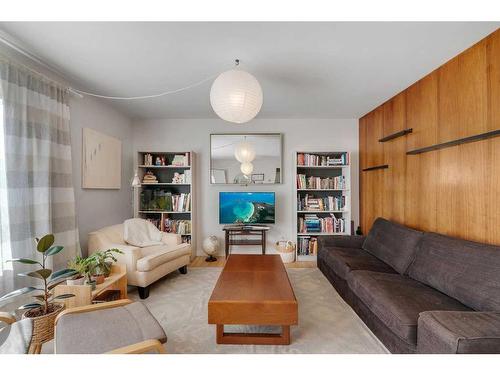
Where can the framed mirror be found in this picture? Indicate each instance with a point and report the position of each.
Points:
(245, 158)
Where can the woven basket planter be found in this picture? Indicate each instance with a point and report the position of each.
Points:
(43, 325)
(286, 249)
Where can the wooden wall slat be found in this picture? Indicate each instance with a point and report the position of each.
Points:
(454, 191)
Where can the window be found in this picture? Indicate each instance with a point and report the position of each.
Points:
(5, 248)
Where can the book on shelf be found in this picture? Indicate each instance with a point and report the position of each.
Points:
(314, 160)
(177, 226)
(311, 223)
(312, 203)
(307, 246)
(161, 200)
(312, 182)
(181, 160)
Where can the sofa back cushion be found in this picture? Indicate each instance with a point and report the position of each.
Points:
(467, 271)
(392, 243)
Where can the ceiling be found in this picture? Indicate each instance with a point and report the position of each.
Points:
(307, 70)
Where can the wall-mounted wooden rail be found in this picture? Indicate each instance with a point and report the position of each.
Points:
(474, 138)
(396, 135)
(385, 166)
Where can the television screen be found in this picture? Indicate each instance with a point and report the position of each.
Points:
(246, 208)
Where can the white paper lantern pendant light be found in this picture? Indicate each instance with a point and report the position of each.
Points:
(236, 96)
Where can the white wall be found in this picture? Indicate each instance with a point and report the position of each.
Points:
(298, 135)
(94, 208)
(97, 208)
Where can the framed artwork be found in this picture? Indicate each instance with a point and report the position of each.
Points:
(258, 177)
(101, 160)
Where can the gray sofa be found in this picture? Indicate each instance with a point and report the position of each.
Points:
(418, 292)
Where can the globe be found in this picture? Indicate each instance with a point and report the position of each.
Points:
(210, 247)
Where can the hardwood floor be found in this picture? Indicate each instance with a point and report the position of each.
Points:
(200, 262)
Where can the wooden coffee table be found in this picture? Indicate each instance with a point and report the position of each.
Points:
(253, 290)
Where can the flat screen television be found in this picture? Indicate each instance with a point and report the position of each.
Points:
(246, 207)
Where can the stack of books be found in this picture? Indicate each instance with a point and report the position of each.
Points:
(311, 203)
(177, 226)
(313, 224)
(312, 160)
(307, 246)
(311, 182)
(181, 160)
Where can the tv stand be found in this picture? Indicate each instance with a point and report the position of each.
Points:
(234, 234)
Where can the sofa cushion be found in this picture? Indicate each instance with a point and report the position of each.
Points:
(395, 244)
(467, 271)
(105, 330)
(343, 260)
(397, 300)
(450, 332)
(154, 256)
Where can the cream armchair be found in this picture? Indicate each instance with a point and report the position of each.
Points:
(144, 265)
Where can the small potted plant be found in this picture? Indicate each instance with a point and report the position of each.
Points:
(103, 261)
(44, 311)
(78, 264)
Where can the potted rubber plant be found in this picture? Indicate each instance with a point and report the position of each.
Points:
(44, 311)
(103, 261)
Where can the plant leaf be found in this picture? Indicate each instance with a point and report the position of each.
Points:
(18, 292)
(62, 277)
(24, 260)
(43, 273)
(44, 243)
(55, 283)
(29, 306)
(59, 273)
(54, 250)
(64, 296)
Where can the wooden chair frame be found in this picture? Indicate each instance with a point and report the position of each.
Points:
(138, 348)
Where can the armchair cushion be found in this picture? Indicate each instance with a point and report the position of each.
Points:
(16, 337)
(157, 255)
(101, 331)
(458, 332)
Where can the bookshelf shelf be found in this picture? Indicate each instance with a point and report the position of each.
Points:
(323, 198)
(322, 166)
(175, 189)
(165, 166)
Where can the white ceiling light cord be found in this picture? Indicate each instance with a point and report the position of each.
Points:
(81, 92)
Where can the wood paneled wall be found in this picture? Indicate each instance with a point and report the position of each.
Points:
(456, 190)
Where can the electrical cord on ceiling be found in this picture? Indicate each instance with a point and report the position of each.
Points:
(193, 85)
(81, 92)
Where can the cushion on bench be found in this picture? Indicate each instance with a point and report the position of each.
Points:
(450, 332)
(392, 243)
(467, 271)
(397, 300)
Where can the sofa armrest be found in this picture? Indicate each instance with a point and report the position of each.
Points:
(341, 241)
(462, 332)
(171, 239)
(130, 256)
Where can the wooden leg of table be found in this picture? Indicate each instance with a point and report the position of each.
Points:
(263, 242)
(282, 338)
(227, 244)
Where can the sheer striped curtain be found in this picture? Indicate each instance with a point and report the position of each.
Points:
(36, 186)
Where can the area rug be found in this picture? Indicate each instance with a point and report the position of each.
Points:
(326, 323)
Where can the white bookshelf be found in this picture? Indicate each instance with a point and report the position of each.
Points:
(164, 175)
(322, 171)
